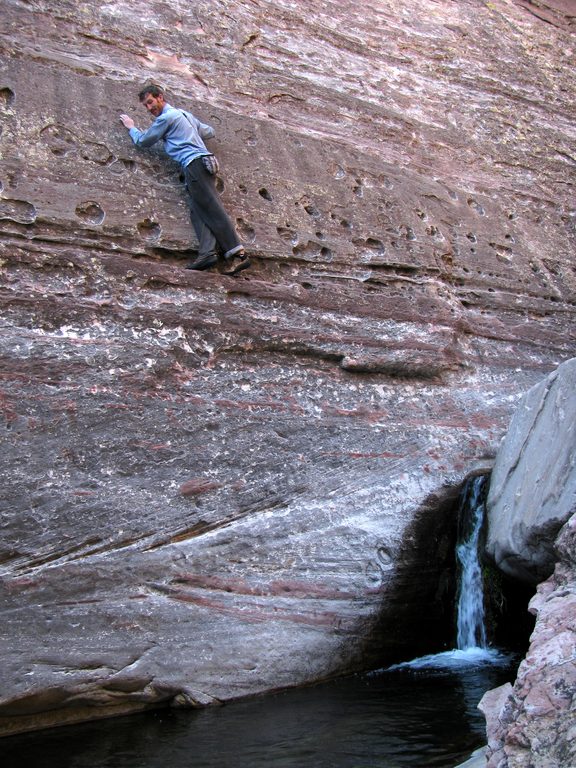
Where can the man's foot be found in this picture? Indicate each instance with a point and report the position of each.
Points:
(236, 263)
(203, 262)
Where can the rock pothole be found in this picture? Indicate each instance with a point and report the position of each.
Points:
(90, 212)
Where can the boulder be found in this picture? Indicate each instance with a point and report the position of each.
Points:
(531, 535)
(533, 483)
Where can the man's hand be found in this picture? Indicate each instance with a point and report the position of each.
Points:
(127, 120)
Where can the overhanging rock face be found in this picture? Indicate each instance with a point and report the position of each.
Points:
(215, 486)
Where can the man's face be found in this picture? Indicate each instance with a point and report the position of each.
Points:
(154, 104)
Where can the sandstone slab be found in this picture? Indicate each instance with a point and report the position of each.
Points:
(533, 484)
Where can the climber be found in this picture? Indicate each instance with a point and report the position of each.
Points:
(183, 137)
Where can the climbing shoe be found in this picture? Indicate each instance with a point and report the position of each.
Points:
(236, 263)
(203, 262)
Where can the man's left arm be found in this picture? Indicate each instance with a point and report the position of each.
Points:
(206, 131)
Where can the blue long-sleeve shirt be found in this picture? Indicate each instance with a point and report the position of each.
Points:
(181, 133)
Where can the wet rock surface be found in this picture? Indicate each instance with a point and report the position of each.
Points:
(218, 486)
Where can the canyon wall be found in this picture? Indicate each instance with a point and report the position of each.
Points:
(219, 486)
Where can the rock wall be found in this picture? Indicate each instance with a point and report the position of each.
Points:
(213, 486)
(532, 723)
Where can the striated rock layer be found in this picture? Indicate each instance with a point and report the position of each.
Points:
(214, 487)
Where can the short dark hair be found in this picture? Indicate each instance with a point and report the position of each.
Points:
(153, 90)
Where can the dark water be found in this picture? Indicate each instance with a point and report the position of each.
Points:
(418, 716)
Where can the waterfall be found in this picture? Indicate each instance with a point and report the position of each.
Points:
(472, 649)
(471, 632)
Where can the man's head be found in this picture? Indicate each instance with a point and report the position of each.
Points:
(152, 97)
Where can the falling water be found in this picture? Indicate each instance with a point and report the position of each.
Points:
(471, 632)
(471, 646)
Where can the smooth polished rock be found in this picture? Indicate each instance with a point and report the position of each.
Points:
(533, 483)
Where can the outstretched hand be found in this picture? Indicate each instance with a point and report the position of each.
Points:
(127, 121)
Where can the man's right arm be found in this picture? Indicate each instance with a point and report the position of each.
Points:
(145, 138)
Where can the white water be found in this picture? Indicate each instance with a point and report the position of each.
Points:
(457, 659)
(470, 623)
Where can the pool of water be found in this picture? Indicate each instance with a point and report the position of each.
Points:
(421, 715)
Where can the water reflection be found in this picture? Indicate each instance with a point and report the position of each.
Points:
(409, 716)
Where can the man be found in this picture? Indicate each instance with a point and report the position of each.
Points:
(183, 137)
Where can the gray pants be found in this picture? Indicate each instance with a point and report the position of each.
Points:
(211, 223)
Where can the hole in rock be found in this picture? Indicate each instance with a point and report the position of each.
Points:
(476, 206)
(265, 194)
(309, 249)
(120, 164)
(371, 244)
(288, 234)
(90, 212)
(219, 184)
(375, 244)
(60, 140)
(245, 231)
(97, 153)
(19, 211)
(149, 230)
(311, 210)
(433, 231)
(6, 97)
